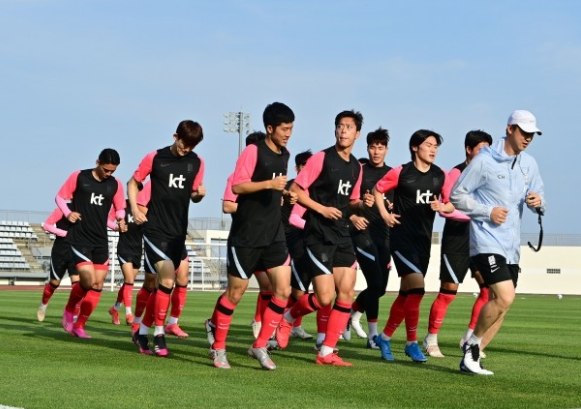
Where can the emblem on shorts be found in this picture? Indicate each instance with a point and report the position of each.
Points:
(493, 265)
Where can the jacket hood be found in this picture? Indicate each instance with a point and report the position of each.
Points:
(496, 150)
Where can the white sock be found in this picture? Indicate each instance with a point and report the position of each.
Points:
(43, 305)
(325, 350)
(356, 315)
(143, 330)
(385, 337)
(432, 339)
(117, 306)
(158, 330)
(128, 311)
(172, 320)
(468, 334)
(137, 320)
(408, 343)
(288, 317)
(474, 340)
(372, 329)
(320, 337)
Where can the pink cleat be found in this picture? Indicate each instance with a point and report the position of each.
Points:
(80, 333)
(174, 329)
(159, 346)
(68, 321)
(283, 333)
(114, 316)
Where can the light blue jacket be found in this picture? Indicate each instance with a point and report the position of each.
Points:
(495, 179)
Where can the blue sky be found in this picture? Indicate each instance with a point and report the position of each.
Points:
(80, 76)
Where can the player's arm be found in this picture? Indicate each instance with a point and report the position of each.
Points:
(49, 224)
(535, 197)
(387, 183)
(242, 183)
(473, 177)
(139, 176)
(65, 194)
(442, 204)
(198, 188)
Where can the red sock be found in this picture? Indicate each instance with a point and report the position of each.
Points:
(127, 295)
(271, 318)
(222, 320)
(478, 304)
(261, 304)
(323, 318)
(87, 307)
(141, 301)
(438, 311)
(120, 294)
(357, 307)
(48, 292)
(337, 322)
(412, 314)
(178, 300)
(162, 300)
(299, 320)
(305, 305)
(77, 294)
(77, 309)
(396, 314)
(149, 315)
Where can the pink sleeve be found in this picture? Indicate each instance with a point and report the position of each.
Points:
(119, 202)
(389, 181)
(145, 167)
(446, 188)
(311, 171)
(111, 220)
(356, 192)
(245, 165)
(199, 179)
(49, 224)
(296, 216)
(229, 196)
(455, 215)
(66, 193)
(452, 177)
(144, 196)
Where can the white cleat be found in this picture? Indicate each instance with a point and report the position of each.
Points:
(299, 332)
(432, 350)
(256, 327)
(347, 331)
(41, 312)
(470, 364)
(356, 325)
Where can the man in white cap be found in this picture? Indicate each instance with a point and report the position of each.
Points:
(492, 191)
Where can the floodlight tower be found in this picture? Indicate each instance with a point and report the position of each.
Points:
(237, 122)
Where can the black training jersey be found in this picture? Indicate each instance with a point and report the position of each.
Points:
(130, 241)
(258, 220)
(456, 234)
(413, 191)
(371, 175)
(93, 200)
(333, 182)
(173, 179)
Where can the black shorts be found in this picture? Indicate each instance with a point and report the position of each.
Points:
(453, 267)
(410, 263)
(61, 260)
(156, 250)
(322, 258)
(84, 255)
(493, 269)
(301, 276)
(134, 259)
(244, 261)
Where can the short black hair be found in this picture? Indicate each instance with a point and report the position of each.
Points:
(277, 113)
(356, 115)
(363, 161)
(255, 137)
(419, 136)
(380, 136)
(109, 156)
(302, 158)
(190, 133)
(475, 137)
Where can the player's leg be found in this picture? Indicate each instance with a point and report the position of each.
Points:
(178, 298)
(263, 298)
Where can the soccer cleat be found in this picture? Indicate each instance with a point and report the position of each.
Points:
(331, 359)
(174, 329)
(482, 355)
(159, 346)
(135, 327)
(256, 327)
(384, 347)
(347, 331)
(41, 312)
(371, 344)
(142, 341)
(432, 350)
(67, 321)
(80, 333)
(114, 316)
(129, 319)
(283, 333)
(356, 325)
(299, 332)
(219, 358)
(471, 361)
(263, 356)
(272, 345)
(415, 353)
(317, 348)
(210, 328)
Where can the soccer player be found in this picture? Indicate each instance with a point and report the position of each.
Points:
(328, 186)
(92, 192)
(60, 259)
(455, 252)
(256, 241)
(176, 177)
(492, 191)
(129, 252)
(417, 188)
(371, 241)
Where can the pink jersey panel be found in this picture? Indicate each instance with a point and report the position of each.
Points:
(50, 223)
(229, 196)
(65, 193)
(199, 179)
(119, 202)
(389, 181)
(145, 167)
(144, 195)
(311, 171)
(245, 165)
(356, 194)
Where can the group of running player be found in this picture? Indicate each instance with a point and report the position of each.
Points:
(315, 229)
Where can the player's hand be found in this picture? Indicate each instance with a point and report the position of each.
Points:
(138, 216)
(436, 205)
(498, 215)
(359, 222)
(391, 219)
(278, 183)
(368, 199)
(389, 205)
(74, 217)
(331, 213)
(534, 200)
(290, 197)
(121, 226)
(201, 191)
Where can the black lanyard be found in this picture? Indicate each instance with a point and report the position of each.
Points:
(540, 233)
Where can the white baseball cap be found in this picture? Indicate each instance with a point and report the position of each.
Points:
(525, 121)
